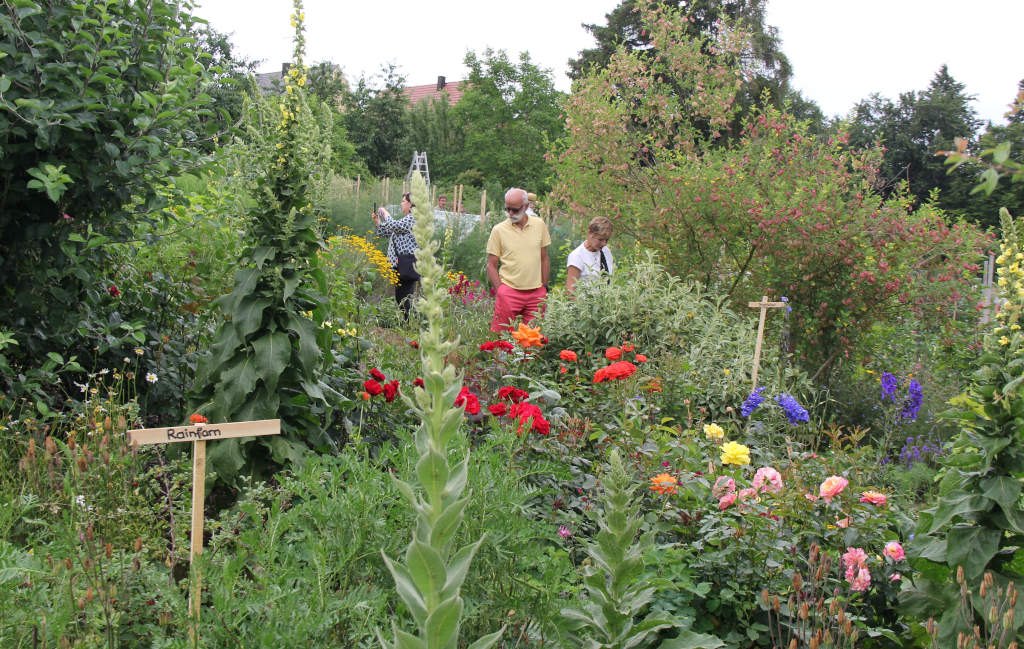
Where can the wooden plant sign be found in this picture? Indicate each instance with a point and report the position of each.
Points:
(199, 434)
(764, 305)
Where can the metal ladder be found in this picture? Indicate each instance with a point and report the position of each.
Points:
(419, 164)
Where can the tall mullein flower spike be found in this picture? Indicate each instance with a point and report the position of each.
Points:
(430, 580)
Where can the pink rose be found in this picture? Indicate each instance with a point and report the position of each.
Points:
(768, 479)
(726, 500)
(843, 523)
(811, 497)
(896, 577)
(832, 487)
(860, 582)
(873, 497)
(724, 485)
(894, 550)
(854, 558)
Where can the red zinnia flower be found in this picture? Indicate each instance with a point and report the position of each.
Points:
(373, 387)
(613, 353)
(515, 395)
(562, 369)
(498, 409)
(568, 355)
(640, 358)
(390, 391)
(378, 375)
(113, 291)
(418, 382)
(198, 419)
(619, 370)
(468, 401)
(626, 347)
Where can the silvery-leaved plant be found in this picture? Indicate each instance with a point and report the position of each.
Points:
(430, 579)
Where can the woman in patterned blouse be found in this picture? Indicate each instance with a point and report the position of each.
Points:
(401, 244)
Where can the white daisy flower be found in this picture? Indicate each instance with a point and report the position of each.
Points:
(150, 377)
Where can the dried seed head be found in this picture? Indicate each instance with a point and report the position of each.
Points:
(764, 597)
(88, 595)
(89, 533)
(81, 603)
(82, 463)
(121, 423)
(815, 642)
(792, 644)
(841, 617)
(136, 564)
(848, 627)
(105, 456)
(819, 572)
(138, 543)
(775, 603)
(87, 563)
(814, 553)
(987, 580)
(71, 440)
(108, 550)
(833, 606)
(31, 453)
(67, 563)
(108, 425)
(983, 590)
(805, 611)
(798, 581)
(51, 447)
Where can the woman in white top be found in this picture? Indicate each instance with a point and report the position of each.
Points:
(593, 256)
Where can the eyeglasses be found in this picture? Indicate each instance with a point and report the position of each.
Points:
(513, 210)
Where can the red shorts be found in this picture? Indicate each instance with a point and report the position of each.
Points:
(510, 302)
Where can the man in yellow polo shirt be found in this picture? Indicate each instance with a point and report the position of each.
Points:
(520, 243)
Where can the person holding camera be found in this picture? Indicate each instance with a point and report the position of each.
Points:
(401, 252)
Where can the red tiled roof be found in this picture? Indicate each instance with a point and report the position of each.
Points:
(416, 94)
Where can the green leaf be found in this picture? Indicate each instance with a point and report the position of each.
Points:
(487, 641)
(458, 567)
(432, 470)
(957, 503)
(273, 351)
(442, 626)
(236, 384)
(1002, 489)
(248, 316)
(690, 640)
(406, 588)
(427, 569)
(1001, 153)
(5, 83)
(972, 547)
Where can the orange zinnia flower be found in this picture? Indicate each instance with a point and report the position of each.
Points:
(664, 483)
(528, 336)
(198, 419)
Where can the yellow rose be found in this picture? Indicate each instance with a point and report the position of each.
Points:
(713, 431)
(735, 453)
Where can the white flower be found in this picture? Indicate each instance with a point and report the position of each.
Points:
(127, 360)
(139, 351)
(104, 372)
(150, 377)
(81, 386)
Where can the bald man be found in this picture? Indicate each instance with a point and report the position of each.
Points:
(517, 262)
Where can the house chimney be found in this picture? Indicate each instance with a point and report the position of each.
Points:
(440, 84)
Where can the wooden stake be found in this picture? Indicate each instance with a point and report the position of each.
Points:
(196, 548)
(356, 211)
(764, 305)
(483, 207)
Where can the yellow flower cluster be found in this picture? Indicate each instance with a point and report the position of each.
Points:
(735, 453)
(376, 258)
(1011, 282)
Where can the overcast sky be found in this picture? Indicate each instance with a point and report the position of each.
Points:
(841, 50)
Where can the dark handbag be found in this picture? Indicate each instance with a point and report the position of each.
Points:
(407, 267)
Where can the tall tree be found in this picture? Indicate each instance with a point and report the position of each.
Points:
(509, 114)
(767, 68)
(376, 122)
(913, 131)
(99, 106)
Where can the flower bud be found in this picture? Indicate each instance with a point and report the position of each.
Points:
(960, 575)
(804, 611)
(71, 441)
(138, 543)
(1008, 619)
(798, 581)
(88, 595)
(764, 597)
(993, 614)
(81, 603)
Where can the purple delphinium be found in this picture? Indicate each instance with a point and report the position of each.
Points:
(922, 449)
(795, 413)
(889, 386)
(752, 402)
(912, 405)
